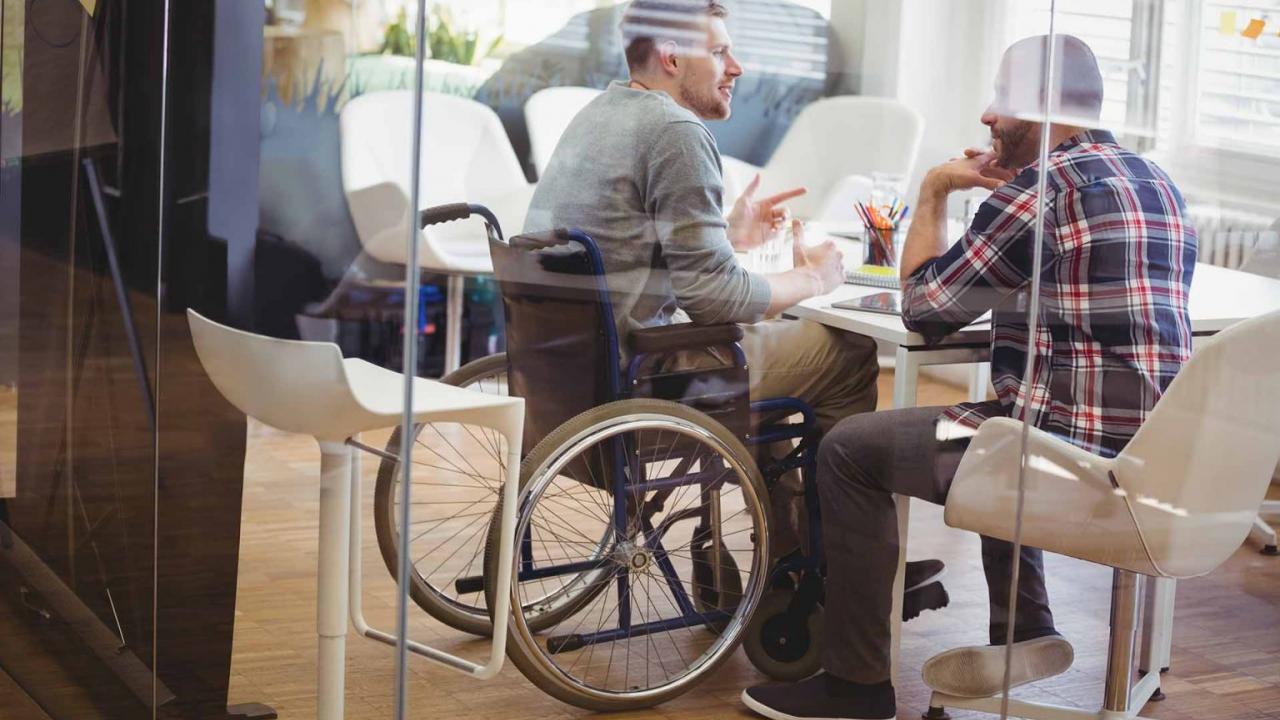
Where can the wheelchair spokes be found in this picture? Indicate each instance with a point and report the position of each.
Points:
(457, 473)
(661, 523)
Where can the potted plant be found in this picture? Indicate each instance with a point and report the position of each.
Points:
(447, 40)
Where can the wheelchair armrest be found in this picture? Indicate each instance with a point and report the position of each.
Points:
(681, 336)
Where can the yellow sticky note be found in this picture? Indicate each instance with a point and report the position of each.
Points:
(1227, 22)
(1254, 29)
(89, 6)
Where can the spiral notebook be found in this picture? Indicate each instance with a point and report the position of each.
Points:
(873, 276)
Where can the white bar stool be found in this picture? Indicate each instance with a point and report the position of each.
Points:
(308, 388)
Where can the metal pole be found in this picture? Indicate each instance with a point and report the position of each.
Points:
(410, 365)
(1033, 326)
(1125, 589)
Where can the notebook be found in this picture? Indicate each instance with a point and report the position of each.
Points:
(873, 276)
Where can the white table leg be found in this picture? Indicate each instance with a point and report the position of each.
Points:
(1157, 625)
(906, 373)
(979, 381)
(331, 585)
(455, 298)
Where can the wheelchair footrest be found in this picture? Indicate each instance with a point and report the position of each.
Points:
(576, 641)
(565, 643)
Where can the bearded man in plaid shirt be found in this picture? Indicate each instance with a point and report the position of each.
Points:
(1113, 329)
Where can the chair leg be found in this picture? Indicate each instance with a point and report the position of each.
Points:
(332, 578)
(1125, 590)
(1264, 534)
(1157, 625)
(454, 301)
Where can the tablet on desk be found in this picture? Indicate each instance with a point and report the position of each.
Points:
(889, 303)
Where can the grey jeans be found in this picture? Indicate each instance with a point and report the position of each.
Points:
(862, 463)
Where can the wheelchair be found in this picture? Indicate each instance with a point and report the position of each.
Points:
(644, 553)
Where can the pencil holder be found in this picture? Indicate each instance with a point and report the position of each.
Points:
(880, 246)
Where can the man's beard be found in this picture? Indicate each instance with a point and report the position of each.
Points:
(1012, 155)
(708, 106)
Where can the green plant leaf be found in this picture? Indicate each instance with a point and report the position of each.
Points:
(493, 46)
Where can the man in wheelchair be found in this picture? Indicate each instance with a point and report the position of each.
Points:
(638, 171)
(622, 293)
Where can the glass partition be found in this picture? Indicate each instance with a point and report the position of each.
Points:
(1146, 468)
(79, 307)
(723, 287)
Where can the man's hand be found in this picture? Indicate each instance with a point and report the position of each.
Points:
(752, 221)
(977, 168)
(824, 263)
(818, 270)
(993, 169)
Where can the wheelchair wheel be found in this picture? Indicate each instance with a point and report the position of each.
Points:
(782, 645)
(630, 625)
(457, 474)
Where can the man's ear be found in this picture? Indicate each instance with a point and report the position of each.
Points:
(668, 52)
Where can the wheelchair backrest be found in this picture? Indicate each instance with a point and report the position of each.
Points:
(562, 347)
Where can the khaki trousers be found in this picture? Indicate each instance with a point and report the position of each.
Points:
(834, 372)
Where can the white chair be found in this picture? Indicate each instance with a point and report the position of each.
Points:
(1175, 503)
(1264, 259)
(548, 114)
(466, 157)
(835, 145)
(308, 388)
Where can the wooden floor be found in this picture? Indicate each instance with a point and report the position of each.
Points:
(1226, 660)
(8, 440)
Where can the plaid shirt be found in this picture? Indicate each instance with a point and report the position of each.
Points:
(1113, 328)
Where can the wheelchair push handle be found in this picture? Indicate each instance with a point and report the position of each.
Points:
(440, 214)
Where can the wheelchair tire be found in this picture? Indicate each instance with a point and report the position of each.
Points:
(784, 648)
(536, 654)
(436, 592)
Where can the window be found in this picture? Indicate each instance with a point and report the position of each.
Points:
(529, 21)
(1180, 73)
(1237, 78)
(1107, 26)
(822, 7)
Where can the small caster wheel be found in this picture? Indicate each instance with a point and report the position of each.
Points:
(1157, 696)
(784, 647)
(705, 597)
(1271, 550)
(936, 713)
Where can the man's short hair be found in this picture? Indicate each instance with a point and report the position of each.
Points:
(646, 23)
(1077, 80)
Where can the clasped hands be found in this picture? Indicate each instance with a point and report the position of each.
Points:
(978, 168)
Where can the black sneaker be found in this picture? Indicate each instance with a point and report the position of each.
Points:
(822, 697)
(923, 589)
(919, 573)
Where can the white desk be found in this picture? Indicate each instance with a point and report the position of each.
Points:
(1219, 298)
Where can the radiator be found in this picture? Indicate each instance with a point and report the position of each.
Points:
(1227, 236)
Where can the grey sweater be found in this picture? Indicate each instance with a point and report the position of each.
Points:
(642, 176)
